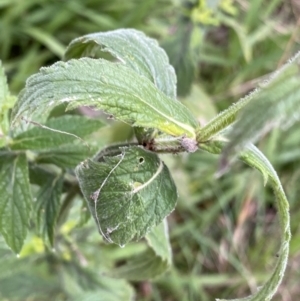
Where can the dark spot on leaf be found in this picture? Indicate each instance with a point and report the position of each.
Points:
(141, 160)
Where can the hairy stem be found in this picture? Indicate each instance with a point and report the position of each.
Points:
(221, 121)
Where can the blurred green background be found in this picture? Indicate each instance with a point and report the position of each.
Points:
(224, 231)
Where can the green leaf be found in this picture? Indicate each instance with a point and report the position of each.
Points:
(27, 285)
(6, 102)
(112, 87)
(39, 174)
(65, 156)
(47, 207)
(109, 290)
(4, 92)
(25, 279)
(131, 47)
(39, 138)
(275, 103)
(152, 262)
(253, 157)
(15, 201)
(128, 194)
(158, 240)
(84, 284)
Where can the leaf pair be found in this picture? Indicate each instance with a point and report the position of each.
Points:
(140, 90)
(133, 91)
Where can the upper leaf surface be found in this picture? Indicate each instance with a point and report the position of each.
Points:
(111, 87)
(15, 200)
(133, 48)
(39, 138)
(128, 194)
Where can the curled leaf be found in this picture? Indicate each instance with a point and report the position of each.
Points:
(254, 158)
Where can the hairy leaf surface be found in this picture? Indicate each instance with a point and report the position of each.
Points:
(134, 49)
(128, 194)
(15, 200)
(152, 262)
(112, 87)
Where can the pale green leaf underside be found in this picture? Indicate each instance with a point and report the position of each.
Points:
(128, 194)
(134, 49)
(152, 262)
(47, 207)
(276, 103)
(112, 87)
(15, 200)
(39, 138)
(253, 157)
